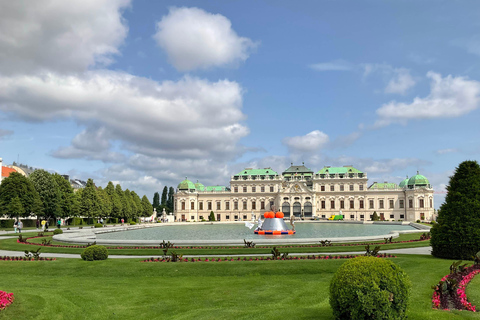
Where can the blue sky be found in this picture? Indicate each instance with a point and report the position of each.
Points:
(144, 93)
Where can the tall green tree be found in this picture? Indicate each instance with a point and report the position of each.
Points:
(114, 199)
(67, 197)
(104, 202)
(146, 207)
(15, 208)
(456, 235)
(89, 204)
(164, 196)
(156, 201)
(49, 192)
(127, 204)
(137, 204)
(19, 186)
(121, 198)
(171, 192)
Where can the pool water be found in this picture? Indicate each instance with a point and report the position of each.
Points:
(239, 231)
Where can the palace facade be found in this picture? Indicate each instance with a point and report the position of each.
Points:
(301, 192)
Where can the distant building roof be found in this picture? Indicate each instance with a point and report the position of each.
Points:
(6, 171)
(257, 172)
(338, 170)
(301, 170)
(384, 185)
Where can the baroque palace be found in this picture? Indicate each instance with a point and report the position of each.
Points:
(301, 192)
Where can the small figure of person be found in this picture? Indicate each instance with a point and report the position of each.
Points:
(37, 224)
(123, 221)
(15, 225)
(260, 223)
(43, 224)
(20, 226)
(59, 223)
(292, 222)
(46, 225)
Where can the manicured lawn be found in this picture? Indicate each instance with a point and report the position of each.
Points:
(473, 292)
(11, 244)
(129, 289)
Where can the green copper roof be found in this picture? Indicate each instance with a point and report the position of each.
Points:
(257, 172)
(297, 169)
(418, 180)
(186, 185)
(216, 188)
(385, 185)
(199, 186)
(403, 183)
(339, 170)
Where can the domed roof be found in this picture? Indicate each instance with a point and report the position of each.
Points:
(199, 186)
(418, 180)
(404, 183)
(186, 185)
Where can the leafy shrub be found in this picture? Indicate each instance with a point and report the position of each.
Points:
(369, 288)
(211, 217)
(57, 231)
(98, 225)
(95, 252)
(132, 223)
(6, 223)
(418, 221)
(456, 235)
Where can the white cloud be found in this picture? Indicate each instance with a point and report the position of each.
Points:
(444, 151)
(335, 65)
(191, 118)
(5, 133)
(57, 35)
(195, 39)
(310, 142)
(449, 97)
(399, 79)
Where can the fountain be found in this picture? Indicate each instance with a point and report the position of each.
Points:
(273, 225)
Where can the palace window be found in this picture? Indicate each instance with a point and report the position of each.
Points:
(262, 205)
(390, 204)
(361, 204)
(254, 189)
(332, 188)
(323, 204)
(402, 216)
(183, 205)
(431, 203)
(352, 216)
(351, 187)
(362, 216)
(392, 216)
(322, 188)
(420, 202)
(370, 204)
(410, 203)
(235, 189)
(360, 187)
(227, 205)
(342, 187)
(209, 204)
(380, 204)
(200, 206)
(192, 205)
(352, 206)
(422, 216)
(271, 189)
(226, 217)
(244, 205)
(235, 205)
(332, 204)
(401, 204)
(254, 205)
(244, 189)
(244, 217)
(192, 217)
(262, 189)
(342, 204)
(218, 205)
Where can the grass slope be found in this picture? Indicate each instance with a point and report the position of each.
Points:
(128, 289)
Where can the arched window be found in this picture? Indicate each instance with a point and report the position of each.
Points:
(286, 209)
(297, 209)
(307, 209)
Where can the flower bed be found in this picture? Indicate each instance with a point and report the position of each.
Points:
(450, 292)
(8, 258)
(312, 257)
(6, 299)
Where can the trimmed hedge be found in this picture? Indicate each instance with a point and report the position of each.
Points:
(112, 220)
(95, 252)
(369, 288)
(8, 223)
(57, 231)
(98, 225)
(132, 223)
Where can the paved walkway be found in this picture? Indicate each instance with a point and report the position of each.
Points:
(421, 251)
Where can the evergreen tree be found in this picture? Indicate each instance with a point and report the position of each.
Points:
(211, 217)
(375, 216)
(19, 186)
(49, 192)
(104, 203)
(456, 235)
(66, 196)
(137, 204)
(156, 201)
(171, 192)
(127, 205)
(15, 207)
(164, 196)
(146, 207)
(89, 204)
(121, 201)
(114, 199)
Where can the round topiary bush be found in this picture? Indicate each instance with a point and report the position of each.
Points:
(132, 223)
(57, 231)
(95, 252)
(98, 225)
(369, 288)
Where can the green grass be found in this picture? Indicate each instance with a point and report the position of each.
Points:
(128, 289)
(473, 292)
(11, 244)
